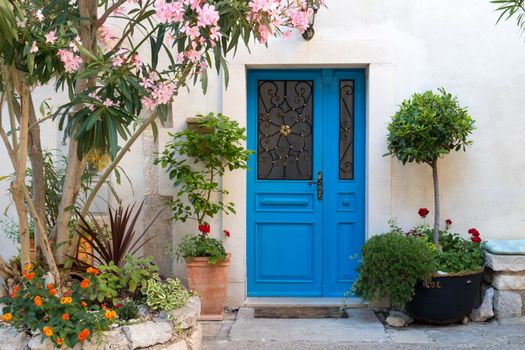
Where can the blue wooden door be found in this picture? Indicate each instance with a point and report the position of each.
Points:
(306, 182)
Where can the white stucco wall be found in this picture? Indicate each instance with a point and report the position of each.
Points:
(405, 46)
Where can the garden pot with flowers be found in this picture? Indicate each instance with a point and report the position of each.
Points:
(427, 127)
(195, 162)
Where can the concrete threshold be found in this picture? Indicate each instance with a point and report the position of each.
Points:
(353, 303)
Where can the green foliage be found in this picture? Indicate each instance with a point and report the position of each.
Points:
(511, 8)
(127, 310)
(30, 314)
(427, 127)
(168, 295)
(114, 283)
(201, 245)
(456, 254)
(194, 161)
(391, 265)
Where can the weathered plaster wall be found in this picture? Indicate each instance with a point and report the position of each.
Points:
(405, 46)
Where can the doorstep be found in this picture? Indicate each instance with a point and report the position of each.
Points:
(353, 303)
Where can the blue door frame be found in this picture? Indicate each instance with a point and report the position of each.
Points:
(299, 244)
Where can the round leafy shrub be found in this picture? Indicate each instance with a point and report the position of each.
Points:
(391, 265)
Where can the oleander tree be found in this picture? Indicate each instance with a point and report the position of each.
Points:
(121, 63)
(427, 127)
(511, 9)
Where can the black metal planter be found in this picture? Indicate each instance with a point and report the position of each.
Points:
(446, 298)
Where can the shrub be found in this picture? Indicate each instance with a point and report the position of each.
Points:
(167, 295)
(201, 245)
(391, 265)
(127, 310)
(113, 283)
(63, 316)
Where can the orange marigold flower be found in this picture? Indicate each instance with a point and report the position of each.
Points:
(110, 314)
(65, 317)
(83, 303)
(38, 301)
(7, 317)
(53, 292)
(85, 283)
(92, 271)
(50, 286)
(29, 276)
(83, 334)
(47, 331)
(66, 300)
(28, 267)
(59, 341)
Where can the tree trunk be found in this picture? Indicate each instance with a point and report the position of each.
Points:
(75, 166)
(20, 170)
(436, 201)
(37, 172)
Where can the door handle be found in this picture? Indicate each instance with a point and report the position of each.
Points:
(319, 184)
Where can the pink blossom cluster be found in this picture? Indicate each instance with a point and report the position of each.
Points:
(70, 59)
(105, 35)
(106, 103)
(169, 12)
(160, 92)
(270, 15)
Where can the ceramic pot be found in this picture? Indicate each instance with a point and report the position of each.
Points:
(211, 283)
(446, 298)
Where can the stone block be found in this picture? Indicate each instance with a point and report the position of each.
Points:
(108, 340)
(147, 334)
(507, 304)
(11, 339)
(37, 343)
(159, 235)
(512, 263)
(180, 345)
(509, 280)
(186, 316)
(486, 309)
(195, 338)
(396, 322)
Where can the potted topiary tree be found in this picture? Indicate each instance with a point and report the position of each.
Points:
(427, 127)
(195, 161)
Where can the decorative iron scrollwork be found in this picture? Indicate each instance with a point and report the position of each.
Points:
(285, 129)
(346, 129)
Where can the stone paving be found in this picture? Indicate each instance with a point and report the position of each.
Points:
(362, 330)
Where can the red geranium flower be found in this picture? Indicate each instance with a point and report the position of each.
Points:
(227, 233)
(423, 212)
(448, 222)
(473, 232)
(476, 239)
(204, 228)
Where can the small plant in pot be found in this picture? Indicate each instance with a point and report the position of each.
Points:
(195, 159)
(427, 127)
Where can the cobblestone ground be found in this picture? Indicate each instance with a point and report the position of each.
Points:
(362, 330)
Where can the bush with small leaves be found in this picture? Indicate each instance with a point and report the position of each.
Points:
(391, 265)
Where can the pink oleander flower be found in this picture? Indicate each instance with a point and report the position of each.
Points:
(192, 32)
(148, 103)
(108, 103)
(215, 35)
(119, 11)
(119, 58)
(51, 37)
(168, 12)
(287, 34)
(39, 16)
(136, 61)
(207, 16)
(34, 48)
(105, 35)
(194, 4)
(70, 60)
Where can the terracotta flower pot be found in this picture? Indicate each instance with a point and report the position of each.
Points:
(211, 283)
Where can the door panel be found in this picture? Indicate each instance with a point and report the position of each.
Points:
(301, 235)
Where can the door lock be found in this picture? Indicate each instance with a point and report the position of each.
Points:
(319, 184)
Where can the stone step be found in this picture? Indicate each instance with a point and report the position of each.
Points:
(352, 303)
